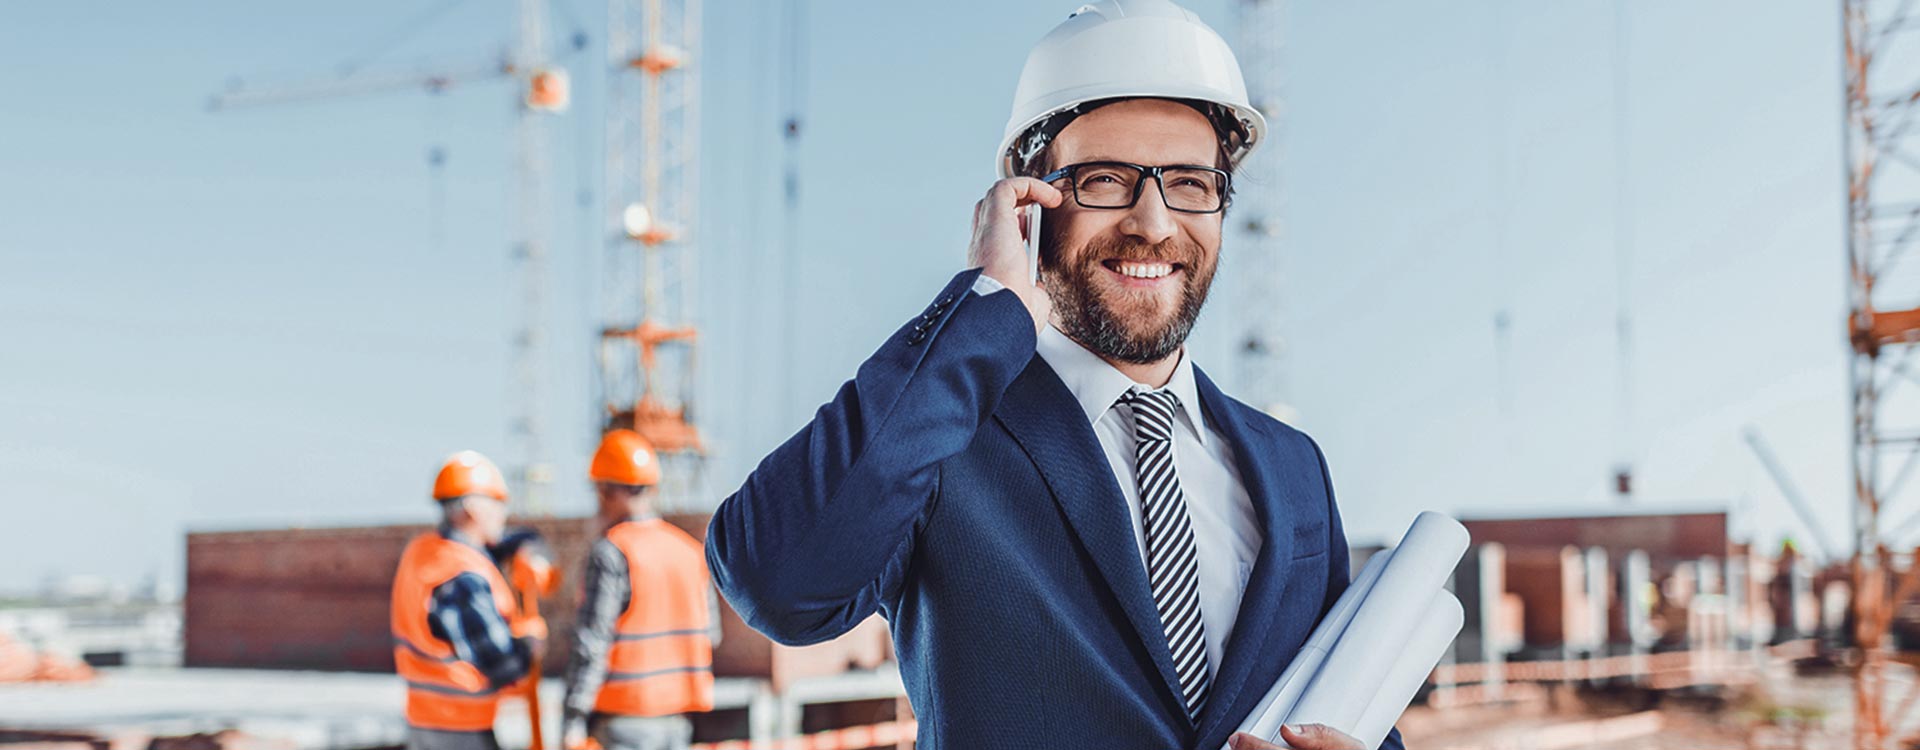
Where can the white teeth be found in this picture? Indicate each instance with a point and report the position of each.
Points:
(1144, 270)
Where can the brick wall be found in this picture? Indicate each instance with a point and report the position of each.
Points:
(317, 599)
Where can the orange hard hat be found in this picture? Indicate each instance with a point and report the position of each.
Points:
(469, 473)
(625, 458)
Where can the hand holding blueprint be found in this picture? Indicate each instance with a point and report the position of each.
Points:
(1370, 654)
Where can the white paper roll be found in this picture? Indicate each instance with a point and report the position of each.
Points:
(1267, 715)
(1386, 621)
(1369, 655)
(1438, 626)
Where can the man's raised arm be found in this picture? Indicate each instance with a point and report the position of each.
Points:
(819, 534)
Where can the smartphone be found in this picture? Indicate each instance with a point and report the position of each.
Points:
(1033, 243)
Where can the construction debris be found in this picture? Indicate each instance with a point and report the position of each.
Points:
(21, 663)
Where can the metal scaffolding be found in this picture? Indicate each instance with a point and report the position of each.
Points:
(543, 92)
(1882, 157)
(647, 340)
(1259, 202)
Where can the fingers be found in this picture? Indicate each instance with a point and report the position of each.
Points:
(1012, 193)
(1317, 737)
(1005, 199)
(1244, 741)
(1015, 192)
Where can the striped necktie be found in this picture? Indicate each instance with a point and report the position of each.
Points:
(1172, 569)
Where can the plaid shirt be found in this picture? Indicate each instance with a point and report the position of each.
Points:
(464, 615)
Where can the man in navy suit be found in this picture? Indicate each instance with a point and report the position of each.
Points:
(1078, 540)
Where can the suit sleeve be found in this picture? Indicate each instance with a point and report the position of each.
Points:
(1339, 566)
(821, 531)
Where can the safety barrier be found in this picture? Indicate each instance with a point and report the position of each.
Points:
(1464, 684)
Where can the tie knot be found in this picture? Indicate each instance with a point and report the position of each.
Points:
(1152, 413)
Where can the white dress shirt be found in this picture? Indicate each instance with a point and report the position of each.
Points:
(1226, 534)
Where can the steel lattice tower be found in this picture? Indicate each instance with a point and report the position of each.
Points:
(1259, 207)
(647, 376)
(531, 352)
(1882, 154)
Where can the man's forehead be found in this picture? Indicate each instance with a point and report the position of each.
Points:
(1147, 131)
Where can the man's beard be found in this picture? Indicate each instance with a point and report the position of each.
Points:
(1087, 315)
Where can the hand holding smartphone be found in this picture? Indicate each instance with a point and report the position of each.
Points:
(1007, 222)
(1033, 243)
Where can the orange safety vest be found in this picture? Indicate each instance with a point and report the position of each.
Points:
(661, 662)
(442, 691)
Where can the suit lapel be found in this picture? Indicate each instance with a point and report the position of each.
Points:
(1248, 660)
(1048, 423)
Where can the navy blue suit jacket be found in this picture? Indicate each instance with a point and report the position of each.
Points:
(955, 487)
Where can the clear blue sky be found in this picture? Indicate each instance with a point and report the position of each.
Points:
(244, 319)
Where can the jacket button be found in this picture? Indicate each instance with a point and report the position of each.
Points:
(915, 339)
(944, 301)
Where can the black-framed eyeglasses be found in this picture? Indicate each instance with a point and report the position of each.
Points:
(1116, 184)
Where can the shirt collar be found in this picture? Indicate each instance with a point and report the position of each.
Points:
(651, 515)
(1097, 385)
(455, 536)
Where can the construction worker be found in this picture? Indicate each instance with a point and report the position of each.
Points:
(643, 640)
(1078, 538)
(459, 640)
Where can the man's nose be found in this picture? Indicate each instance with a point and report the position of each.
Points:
(1149, 220)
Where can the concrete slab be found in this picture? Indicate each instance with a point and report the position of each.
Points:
(312, 710)
(338, 710)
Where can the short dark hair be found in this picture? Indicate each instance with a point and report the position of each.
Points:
(631, 490)
(449, 504)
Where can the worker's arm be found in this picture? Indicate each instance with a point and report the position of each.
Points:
(515, 541)
(604, 596)
(527, 562)
(804, 549)
(821, 532)
(464, 615)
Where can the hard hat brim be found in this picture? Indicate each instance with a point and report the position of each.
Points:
(1249, 119)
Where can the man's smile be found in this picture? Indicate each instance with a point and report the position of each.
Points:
(1141, 274)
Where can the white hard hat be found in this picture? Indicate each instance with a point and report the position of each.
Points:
(1124, 49)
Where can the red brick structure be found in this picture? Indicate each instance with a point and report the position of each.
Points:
(317, 599)
(1666, 537)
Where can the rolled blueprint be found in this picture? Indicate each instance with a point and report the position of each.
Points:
(1271, 711)
(1365, 660)
(1438, 626)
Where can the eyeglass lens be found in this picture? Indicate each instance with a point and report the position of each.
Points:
(1113, 186)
